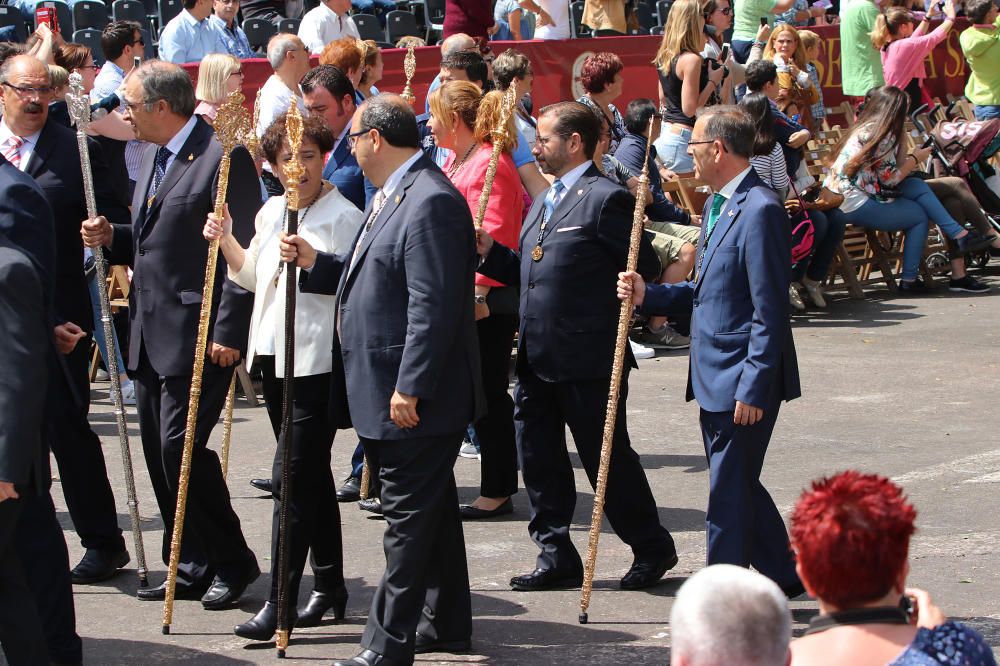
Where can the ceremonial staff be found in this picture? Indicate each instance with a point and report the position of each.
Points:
(228, 123)
(500, 137)
(624, 322)
(409, 69)
(293, 174)
(79, 109)
(249, 139)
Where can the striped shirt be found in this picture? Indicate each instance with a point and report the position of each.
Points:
(772, 170)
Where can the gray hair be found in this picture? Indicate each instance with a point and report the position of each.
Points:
(169, 82)
(279, 46)
(732, 125)
(457, 42)
(727, 615)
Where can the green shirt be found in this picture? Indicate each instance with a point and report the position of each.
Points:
(860, 62)
(981, 46)
(746, 20)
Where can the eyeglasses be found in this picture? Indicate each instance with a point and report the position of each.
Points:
(139, 41)
(698, 143)
(28, 91)
(352, 138)
(132, 106)
(544, 140)
(238, 73)
(725, 11)
(93, 66)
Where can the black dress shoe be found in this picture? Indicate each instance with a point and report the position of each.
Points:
(371, 505)
(223, 594)
(159, 593)
(470, 512)
(369, 658)
(423, 645)
(646, 572)
(261, 627)
(546, 579)
(98, 564)
(350, 491)
(319, 603)
(263, 485)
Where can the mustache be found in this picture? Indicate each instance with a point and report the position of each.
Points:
(33, 107)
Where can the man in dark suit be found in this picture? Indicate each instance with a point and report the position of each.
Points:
(175, 190)
(574, 242)
(742, 362)
(47, 151)
(408, 350)
(38, 623)
(329, 94)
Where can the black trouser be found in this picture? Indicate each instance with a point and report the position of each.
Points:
(425, 587)
(212, 540)
(314, 516)
(82, 470)
(20, 626)
(543, 410)
(41, 549)
(495, 429)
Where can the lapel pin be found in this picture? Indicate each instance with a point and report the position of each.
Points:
(191, 157)
(397, 198)
(580, 192)
(732, 213)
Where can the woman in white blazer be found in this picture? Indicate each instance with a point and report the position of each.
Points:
(330, 222)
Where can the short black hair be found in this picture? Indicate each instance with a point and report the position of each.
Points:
(759, 74)
(637, 115)
(313, 128)
(471, 63)
(118, 35)
(394, 120)
(329, 77)
(977, 10)
(730, 124)
(575, 118)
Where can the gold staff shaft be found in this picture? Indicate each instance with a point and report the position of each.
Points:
(227, 426)
(617, 367)
(409, 69)
(227, 126)
(79, 108)
(500, 135)
(293, 174)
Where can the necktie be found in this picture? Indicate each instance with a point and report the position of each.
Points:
(12, 150)
(159, 171)
(377, 204)
(718, 201)
(552, 200)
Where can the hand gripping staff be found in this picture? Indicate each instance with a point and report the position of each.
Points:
(79, 110)
(293, 174)
(228, 125)
(624, 322)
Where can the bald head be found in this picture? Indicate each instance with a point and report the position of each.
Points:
(457, 42)
(280, 46)
(23, 65)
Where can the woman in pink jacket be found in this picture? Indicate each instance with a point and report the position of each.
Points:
(904, 48)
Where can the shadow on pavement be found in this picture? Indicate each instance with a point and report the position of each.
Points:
(115, 651)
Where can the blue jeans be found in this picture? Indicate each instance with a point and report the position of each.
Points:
(102, 343)
(986, 112)
(379, 7)
(908, 214)
(828, 230)
(672, 150)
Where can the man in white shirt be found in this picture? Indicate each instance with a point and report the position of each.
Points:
(326, 23)
(290, 60)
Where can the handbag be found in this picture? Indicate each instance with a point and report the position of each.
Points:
(803, 230)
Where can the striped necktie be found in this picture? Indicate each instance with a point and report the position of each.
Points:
(12, 150)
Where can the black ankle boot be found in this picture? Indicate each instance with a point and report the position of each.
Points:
(319, 603)
(263, 625)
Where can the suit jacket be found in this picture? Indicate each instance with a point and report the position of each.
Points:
(406, 311)
(55, 166)
(569, 307)
(26, 220)
(741, 338)
(165, 247)
(342, 170)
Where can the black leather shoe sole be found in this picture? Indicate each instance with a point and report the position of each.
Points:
(230, 592)
(567, 582)
(451, 647)
(649, 578)
(350, 491)
(98, 566)
(159, 593)
(264, 485)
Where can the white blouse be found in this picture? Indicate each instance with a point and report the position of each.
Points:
(330, 224)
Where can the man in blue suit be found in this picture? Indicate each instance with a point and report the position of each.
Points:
(742, 362)
(407, 358)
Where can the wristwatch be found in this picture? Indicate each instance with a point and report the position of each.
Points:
(480, 299)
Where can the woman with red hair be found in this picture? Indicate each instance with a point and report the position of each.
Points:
(601, 78)
(851, 536)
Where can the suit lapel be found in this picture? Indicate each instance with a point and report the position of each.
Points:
(42, 152)
(573, 197)
(192, 148)
(727, 220)
(337, 157)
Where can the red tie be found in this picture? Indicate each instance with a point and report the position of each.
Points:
(12, 150)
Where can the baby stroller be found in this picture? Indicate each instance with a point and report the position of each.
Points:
(963, 148)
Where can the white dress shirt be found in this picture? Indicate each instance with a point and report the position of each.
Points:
(27, 148)
(322, 25)
(275, 100)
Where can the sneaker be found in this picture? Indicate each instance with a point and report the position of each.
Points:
(795, 299)
(972, 242)
(967, 284)
(128, 393)
(468, 450)
(101, 375)
(815, 292)
(640, 351)
(665, 338)
(915, 287)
